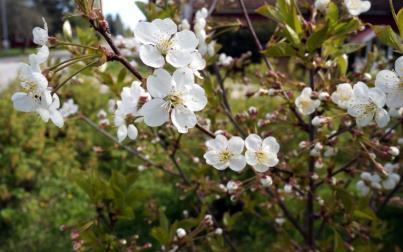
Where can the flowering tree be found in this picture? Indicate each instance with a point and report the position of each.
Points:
(314, 172)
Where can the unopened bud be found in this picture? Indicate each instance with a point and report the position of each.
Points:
(394, 151)
(266, 181)
(181, 233)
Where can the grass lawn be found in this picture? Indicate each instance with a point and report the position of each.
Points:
(15, 52)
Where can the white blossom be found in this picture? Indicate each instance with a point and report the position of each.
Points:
(41, 34)
(342, 96)
(160, 38)
(224, 60)
(35, 93)
(392, 177)
(51, 111)
(184, 25)
(223, 153)
(367, 105)
(69, 108)
(304, 102)
(356, 7)
(232, 187)
(127, 110)
(176, 96)
(321, 5)
(391, 82)
(261, 155)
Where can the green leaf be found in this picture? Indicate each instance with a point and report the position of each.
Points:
(316, 39)
(164, 222)
(399, 18)
(387, 36)
(122, 75)
(364, 215)
(291, 35)
(281, 49)
(347, 27)
(342, 63)
(160, 235)
(332, 14)
(269, 12)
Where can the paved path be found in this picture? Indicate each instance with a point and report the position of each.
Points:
(8, 70)
(9, 67)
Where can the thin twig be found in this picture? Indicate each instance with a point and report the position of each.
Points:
(288, 214)
(205, 131)
(127, 148)
(252, 31)
(117, 56)
(389, 196)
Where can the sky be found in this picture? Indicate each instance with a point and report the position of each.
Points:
(127, 9)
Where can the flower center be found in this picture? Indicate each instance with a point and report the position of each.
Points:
(164, 44)
(305, 103)
(370, 108)
(175, 99)
(129, 119)
(225, 156)
(261, 156)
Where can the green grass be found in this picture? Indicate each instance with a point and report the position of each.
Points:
(15, 52)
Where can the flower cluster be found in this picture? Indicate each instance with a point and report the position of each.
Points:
(373, 181)
(200, 30)
(36, 96)
(260, 154)
(175, 96)
(354, 7)
(367, 104)
(305, 104)
(224, 60)
(127, 110)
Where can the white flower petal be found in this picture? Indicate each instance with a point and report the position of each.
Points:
(122, 133)
(360, 91)
(182, 77)
(399, 66)
(179, 58)
(237, 163)
(57, 118)
(158, 84)
(271, 144)
(132, 132)
(387, 80)
(151, 56)
(147, 33)
(253, 142)
(250, 157)
(236, 145)
(220, 142)
(261, 167)
(382, 118)
(23, 102)
(185, 40)
(196, 98)
(155, 112)
(394, 100)
(166, 26)
(183, 119)
(364, 119)
(377, 96)
(211, 157)
(40, 36)
(44, 114)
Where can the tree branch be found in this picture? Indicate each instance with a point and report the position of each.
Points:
(127, 148)
(252, 31)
